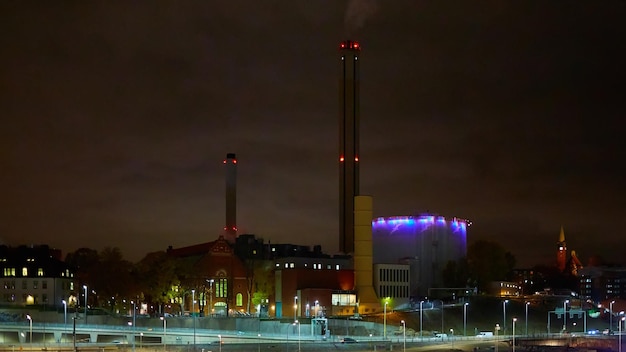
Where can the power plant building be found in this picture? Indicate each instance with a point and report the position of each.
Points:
(425, 242)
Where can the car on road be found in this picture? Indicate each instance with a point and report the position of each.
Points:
(348, 340)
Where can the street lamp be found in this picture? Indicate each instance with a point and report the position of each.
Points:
(220, 337)
(611, 315)
(64, 313)
(385, 320)
(452, 337)
(497, 329)
(193, 316)
(259, 342)
(441, 315)
(619, 326)
(164, 332)
(298, 323)
(565, 315)
(404, 335)
(210, 296)
(514, 320)
(317, 304)
(30, 323)
(421, 321)
(295, 308)
(526, 320)
(465, 318)
(504, 314)
(85, 288)
(134, 322)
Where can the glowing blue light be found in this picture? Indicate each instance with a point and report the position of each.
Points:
(419, 224)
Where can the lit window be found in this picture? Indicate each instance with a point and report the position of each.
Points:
(40, 272)
(24, 271)
(239, 300)
(291, 265)
(221, 288)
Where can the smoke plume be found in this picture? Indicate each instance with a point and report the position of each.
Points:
(357, 12)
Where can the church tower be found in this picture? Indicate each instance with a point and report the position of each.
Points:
(561, 254)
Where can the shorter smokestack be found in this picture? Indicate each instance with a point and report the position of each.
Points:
(230, 228)
(363, 254)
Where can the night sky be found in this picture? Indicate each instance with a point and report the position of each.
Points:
(116, 116)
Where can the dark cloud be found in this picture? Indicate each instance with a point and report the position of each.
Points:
(116, 117)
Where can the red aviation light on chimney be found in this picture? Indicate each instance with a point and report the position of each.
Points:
(341, 158)
(349, 44)
(356, 158)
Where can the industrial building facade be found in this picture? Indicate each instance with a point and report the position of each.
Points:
(425, 243)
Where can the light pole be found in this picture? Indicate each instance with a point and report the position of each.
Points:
(298, 323)
(611, 316)
(504, 314)
(421, 321)
(210, 296)
(259, 342)
(465, 318)
(64, 313)
(295, 308)
(565, 315)
(134, 323)
(441, 315)
(30, 323)
(85, 288)
(385, 320)
(526, 320)
(193, 316)
(497, 329)
(514, 320)
(317, 304)
(164, 332)
(452, 337)
(619, 326)
(403, 335)
(220, 337)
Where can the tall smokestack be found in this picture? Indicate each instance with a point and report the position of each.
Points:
(348, 142)
(230, 228)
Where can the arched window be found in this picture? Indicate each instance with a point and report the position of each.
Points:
(239, 300)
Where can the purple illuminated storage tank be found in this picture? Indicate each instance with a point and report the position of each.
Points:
(426, 242)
